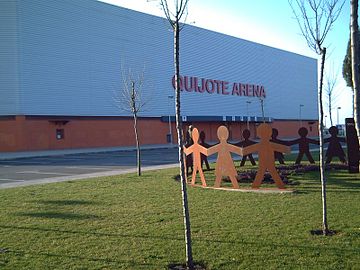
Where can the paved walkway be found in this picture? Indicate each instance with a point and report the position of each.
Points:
(60, 152)
(40, 167)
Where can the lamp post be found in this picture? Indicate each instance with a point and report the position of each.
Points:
(247, 114)
(325, 120)
(338, 108)
(300, 106)
(170, 131)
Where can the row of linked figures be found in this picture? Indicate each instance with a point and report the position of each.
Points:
(269, 148)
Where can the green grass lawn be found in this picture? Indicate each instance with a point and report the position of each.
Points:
(127, 222)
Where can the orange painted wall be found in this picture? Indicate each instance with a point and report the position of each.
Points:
(26, 133)
(289, 129)
(29, 133)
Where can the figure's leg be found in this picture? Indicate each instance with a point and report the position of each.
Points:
(242, 163)
(218, 180)
(207, 164)
(193, 178)
(328, 159)
(309, 157)
(299, 158)
(258, 178)
(275, 175)
(342, 159)
(234, 181)
(281, 159)
(252, 160)
(202, 177)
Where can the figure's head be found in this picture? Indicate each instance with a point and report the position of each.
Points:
(275, 133)
(246, 134)
(223, 133)
(195, 135)
(202, 136)
(191, 127)
(303, 132)
(333, 131)
(264, 131)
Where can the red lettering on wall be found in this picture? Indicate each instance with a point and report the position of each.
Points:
(211, 89)
(195, 84)
(235, 90)
(224, 87)
(242, 88)
(262, 91)
(189, 86)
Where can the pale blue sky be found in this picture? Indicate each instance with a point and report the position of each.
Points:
(267, 22)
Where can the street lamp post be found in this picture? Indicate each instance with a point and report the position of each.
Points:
(300, 106)
(325, 120)
(247, 114)
(338, 108)
(170, 131)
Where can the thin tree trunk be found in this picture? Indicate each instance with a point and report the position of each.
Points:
(138, 151)
(354, 29)
(325, 228)
(186, 214)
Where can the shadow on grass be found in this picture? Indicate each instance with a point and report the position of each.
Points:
(65, 202)
(182, 266)
(58, 215)
(131, 264)
(259, 243)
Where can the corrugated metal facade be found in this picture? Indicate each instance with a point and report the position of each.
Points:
(69, 57)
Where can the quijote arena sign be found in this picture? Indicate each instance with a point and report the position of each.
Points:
(210, 86)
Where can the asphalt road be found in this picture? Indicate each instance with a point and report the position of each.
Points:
(25, 171)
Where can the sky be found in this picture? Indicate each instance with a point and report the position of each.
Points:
(270, 23)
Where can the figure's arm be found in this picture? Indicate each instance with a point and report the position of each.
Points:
(188, 150)
(203, 150)
(250, 149)
(296, 141)
(313, 141)
(212, 150)
(284, 142)
(327, 140)
(235, 149)
(281, 148)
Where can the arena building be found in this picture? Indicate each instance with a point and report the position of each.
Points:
(63, 66)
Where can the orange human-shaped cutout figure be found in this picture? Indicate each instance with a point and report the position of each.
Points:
(266, 149)
(196, 149)
(224, 163)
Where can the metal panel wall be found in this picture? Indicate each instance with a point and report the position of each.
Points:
(8, 58)
(73, 54)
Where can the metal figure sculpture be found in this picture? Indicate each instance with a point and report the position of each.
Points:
(278, 155)
(265, 149)
(189, 158)
(196, 150)
(246, 142)
(334, 148)
(224, 163)
(206, 145)
(303, 142)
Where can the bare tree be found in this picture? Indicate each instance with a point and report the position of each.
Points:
(315, 18)
(355, 68)
(132, 101)
(175, 13)
(330, 87)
